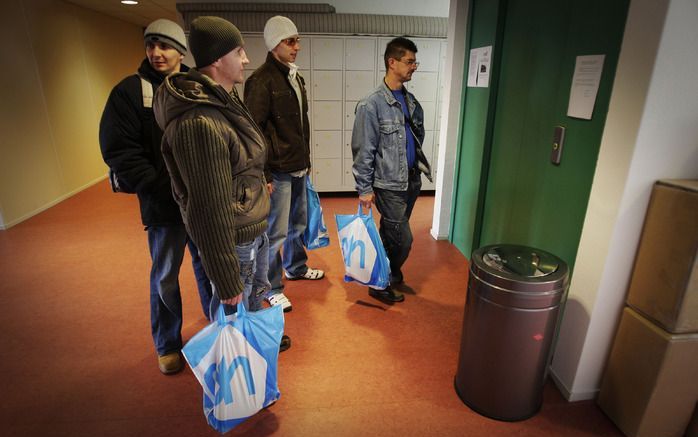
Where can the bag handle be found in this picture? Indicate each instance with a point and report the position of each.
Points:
(221, 316)
(360, 211)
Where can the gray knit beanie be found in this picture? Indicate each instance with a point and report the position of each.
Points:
(211, 38)
(277, 29)
(166, 31)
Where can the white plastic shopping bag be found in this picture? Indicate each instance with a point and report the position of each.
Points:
(365, 260)
(235, 359)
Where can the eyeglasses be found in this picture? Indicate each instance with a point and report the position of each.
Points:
(410, 63)
(292, 41)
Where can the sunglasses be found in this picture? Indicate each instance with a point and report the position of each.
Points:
(410, 63)
(291, 41)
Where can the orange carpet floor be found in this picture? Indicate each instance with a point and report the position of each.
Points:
(76, 355)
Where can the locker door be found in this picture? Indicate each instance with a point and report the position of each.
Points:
(327, 53)
(349, 108)
(327, 144)
(327, 174)
(428, 54)
(327, 85)
(327, 115)
(359, 54)
(424, 85)
(303, 58)
(429, 114)
(358, 84)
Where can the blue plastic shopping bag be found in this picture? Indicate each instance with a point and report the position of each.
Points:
(365, 260)
(315, 235)
(235, 360)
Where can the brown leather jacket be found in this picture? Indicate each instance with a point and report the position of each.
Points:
(274, 106)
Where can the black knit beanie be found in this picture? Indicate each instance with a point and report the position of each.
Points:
(211, 38)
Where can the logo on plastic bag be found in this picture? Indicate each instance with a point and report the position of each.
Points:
(359, 257)
(243, 393)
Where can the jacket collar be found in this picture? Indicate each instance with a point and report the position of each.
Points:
(388, 94)
(278, 64)
(152, 75)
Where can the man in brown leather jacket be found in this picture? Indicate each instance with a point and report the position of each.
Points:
(275, 94)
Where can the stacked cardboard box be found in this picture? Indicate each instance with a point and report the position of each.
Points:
(650, 386)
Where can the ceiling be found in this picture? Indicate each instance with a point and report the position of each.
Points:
(141, 14)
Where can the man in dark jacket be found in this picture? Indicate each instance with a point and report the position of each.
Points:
(275, 94)
(130, 141)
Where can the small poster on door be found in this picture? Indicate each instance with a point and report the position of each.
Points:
(585, 86)
(479, 67)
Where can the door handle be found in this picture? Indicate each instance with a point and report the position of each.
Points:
(558, 141)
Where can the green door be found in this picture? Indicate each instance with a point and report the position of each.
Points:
(525, 198)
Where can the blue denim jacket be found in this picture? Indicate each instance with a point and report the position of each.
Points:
(378, 141)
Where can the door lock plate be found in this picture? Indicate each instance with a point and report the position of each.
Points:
(558, 141)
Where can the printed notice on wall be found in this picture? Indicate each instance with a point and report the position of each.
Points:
(479, 67)
(585, 86)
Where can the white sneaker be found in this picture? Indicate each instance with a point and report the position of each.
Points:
(280, 299)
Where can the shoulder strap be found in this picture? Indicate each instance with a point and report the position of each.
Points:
(147, 91)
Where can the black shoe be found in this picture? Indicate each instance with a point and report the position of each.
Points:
(396, 278)
(285, 343)
(388, 295)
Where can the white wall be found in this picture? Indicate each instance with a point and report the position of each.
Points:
(651, 133)
(450, 118)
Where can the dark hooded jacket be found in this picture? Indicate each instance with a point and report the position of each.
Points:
(215, 154)
(130, 138)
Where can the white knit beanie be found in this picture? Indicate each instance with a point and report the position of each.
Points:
(278, 28)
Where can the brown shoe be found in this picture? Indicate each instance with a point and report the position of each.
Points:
(170, 363)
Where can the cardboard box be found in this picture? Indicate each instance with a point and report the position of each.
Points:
(650, 385)
(664, 283)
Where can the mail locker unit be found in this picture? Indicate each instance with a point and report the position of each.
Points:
(339, 71)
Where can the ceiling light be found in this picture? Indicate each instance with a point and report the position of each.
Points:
(129, 2)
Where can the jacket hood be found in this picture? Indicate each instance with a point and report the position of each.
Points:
(181, 92)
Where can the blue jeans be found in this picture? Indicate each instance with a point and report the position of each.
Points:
(253, 257)
(288, 219)
(396, 208)
(167, 245)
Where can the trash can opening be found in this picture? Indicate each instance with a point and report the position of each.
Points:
(521, 261)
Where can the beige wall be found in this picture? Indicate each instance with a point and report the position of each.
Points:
(60, 62)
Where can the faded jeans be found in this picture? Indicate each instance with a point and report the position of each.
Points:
(253, 257)
(288, 219)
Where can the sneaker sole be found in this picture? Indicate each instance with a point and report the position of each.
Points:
(302, 278)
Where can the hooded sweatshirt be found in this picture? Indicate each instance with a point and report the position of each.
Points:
(215, 154)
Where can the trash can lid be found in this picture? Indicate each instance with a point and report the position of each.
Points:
(511, 269)
(520, 260)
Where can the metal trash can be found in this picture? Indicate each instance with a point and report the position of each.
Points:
(511, 313)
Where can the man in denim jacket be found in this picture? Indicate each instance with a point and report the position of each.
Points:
(388, 159)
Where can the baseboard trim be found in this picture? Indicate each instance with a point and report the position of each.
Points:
(570, 395)
(54, 202)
